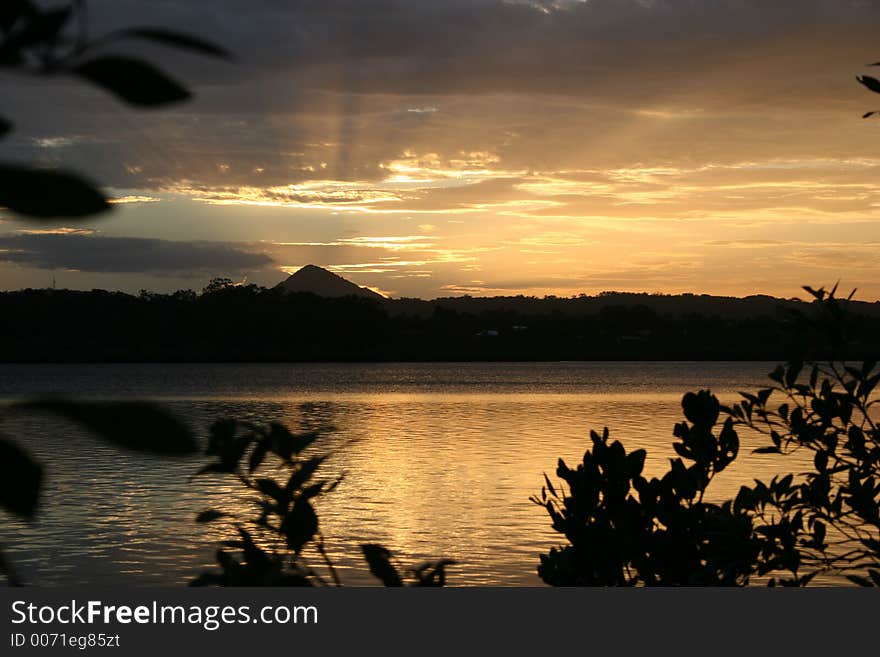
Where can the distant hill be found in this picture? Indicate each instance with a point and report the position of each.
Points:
(667, 305)
(318, 280)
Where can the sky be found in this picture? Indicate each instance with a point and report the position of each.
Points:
(430, 148)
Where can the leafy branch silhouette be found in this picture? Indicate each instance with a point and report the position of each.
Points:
(269, 548)
(55, 42)
(872, 84)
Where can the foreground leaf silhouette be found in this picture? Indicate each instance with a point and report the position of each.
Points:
(134, 425)
(132, 80)
(138, 426)
(20, 479)
(44, 194)
(54, 42)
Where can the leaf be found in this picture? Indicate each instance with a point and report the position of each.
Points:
(270, 488)
(432, 573)
(777, 374)
(859, 580)
(285, 444)
(819, 532)
(253, 553)
(701, 408)
(379, 560)
(550, 486)
(816, 294)
(767, 450)
(300, 525)
(871, 544)
(20, 478)
(209, 516)
(257, 456)
(313, 491)
(744, 498)
(177, 40)
(792, 373)
(46, 194)
(871, 83)
(132, 80)
(304, 473)
(138, 426)
(728, 443)
(635, 462)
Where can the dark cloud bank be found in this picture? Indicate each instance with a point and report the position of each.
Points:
(99, 254)
(332, 80)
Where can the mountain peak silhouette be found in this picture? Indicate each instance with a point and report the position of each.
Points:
(318, 280)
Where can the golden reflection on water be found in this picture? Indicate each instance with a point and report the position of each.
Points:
(431, 470)
(451, 476)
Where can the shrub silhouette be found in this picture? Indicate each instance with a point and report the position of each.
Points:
(824, 408)
(269, 547)
(623, 529)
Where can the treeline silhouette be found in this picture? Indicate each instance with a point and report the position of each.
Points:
(249, 323)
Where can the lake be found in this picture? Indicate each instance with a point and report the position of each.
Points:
(439, 459)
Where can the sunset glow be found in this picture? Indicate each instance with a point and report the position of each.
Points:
(493, 148)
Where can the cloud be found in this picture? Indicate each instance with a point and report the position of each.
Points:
(565, 141)
(85, 251)
(343, 86)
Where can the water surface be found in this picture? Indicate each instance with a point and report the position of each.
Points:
(440, 459)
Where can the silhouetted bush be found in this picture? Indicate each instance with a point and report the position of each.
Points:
(623, 529)
(827, 409)
(269, 546)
